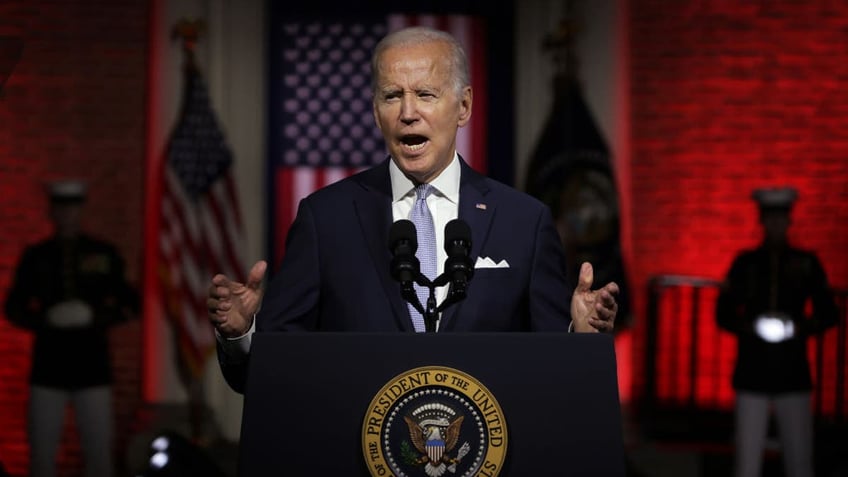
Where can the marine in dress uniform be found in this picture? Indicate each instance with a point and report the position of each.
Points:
(764, 301)
(68, 290)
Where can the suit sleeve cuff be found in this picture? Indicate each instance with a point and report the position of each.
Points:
(237, 349)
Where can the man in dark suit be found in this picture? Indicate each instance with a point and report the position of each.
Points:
(336, 272)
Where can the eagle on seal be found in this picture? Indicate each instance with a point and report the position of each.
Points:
(434, 442)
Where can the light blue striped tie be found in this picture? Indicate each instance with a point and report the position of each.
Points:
(426, 253)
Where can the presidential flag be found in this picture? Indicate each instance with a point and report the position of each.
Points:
(572, 173)
(321, 121)
(201, 228)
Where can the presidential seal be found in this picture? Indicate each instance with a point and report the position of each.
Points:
(434, 421)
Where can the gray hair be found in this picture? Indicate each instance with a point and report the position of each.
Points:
(420, 35)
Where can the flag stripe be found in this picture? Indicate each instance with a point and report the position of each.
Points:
(283, 215)
(182, 259)
(300, 182)
(479, 119)
(225, 241)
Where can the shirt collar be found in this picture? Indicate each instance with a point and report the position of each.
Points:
(446, 184)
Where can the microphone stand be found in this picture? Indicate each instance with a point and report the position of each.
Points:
(456, 293)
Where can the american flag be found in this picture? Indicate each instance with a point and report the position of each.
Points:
(322, 125)
(201, 228)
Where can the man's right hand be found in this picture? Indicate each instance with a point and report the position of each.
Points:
(232, 305)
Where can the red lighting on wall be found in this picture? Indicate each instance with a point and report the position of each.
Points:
(726, 97)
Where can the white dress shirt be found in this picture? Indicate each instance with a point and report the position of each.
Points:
(443, 203)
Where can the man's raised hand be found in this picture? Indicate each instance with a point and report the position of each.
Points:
(593, 310)
(232, 305)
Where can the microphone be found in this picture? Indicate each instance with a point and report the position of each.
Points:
(405, 267)
(403, 243)
(458, 266)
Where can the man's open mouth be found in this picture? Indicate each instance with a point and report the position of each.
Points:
(413, 142)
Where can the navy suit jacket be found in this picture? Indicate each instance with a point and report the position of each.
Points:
(336, 272)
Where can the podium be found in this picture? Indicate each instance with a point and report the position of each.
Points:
(308, 396)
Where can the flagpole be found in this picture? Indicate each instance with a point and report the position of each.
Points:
(188, 32)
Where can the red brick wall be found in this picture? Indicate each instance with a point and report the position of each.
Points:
(727, 96)
(74, 106)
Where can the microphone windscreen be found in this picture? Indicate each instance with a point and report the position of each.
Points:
(455, 230)
(403, 230)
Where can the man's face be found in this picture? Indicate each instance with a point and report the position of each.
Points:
(417, 108)
(775, 225)
(66, 217)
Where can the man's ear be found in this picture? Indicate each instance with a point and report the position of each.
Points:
(465, 106)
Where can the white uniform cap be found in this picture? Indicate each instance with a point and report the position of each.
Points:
(67, 190)
(775, 198)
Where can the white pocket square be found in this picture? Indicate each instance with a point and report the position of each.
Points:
(486, 262)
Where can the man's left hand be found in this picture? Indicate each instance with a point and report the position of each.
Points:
(593, 311)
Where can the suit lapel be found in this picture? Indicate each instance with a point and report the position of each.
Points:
(374, 210)
(476, 208)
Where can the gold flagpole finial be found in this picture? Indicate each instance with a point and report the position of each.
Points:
(188, 32)
(561, 41)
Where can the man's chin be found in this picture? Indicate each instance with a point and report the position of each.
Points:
(416, 166)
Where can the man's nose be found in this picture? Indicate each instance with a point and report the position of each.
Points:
(409, 108)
